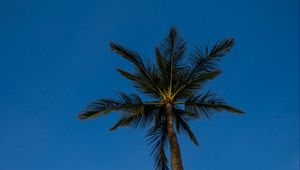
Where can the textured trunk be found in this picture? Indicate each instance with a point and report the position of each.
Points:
(176, 162)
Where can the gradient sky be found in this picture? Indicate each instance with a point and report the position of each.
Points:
(55, 59)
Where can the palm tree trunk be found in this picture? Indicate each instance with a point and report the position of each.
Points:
(176, 162)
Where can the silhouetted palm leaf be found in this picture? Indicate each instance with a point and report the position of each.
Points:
(181, 119)
(146, 116)
(140, 83)
(204, 59)
(189, 86)
(125, 103)
(205, 104)
(169, 57)
(157, 137)
(142, 71)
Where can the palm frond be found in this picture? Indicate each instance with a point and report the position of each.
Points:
(157, 136)
(169, 56)
(202, 68)
(181, 120)
(161, 61)
(173, 47)
(188, 87)
(144, 72)
(206, 104)
(146, 116)
(130, 55)
(140, 83)
(126, 103)
(204, 59)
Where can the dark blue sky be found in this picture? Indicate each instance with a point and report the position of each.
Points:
(55, 59)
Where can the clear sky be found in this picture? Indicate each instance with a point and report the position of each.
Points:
(55, 59)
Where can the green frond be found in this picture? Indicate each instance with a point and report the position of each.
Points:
(169, 56)
(100, 107)
(130, 55)
(157, 137)
(128, 75)
(206, 104)
(221, 48)
(181, 120)
(141, 84)
(203, 59)
(143, 71)
(139, 119)
(174, 47)
(187, 87)
(202, 68)
(161, 62)
(125, 103)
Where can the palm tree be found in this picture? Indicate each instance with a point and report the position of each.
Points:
(175, 86)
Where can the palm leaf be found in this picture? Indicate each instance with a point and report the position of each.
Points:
(157, 136)
(181, 119)
(140, 83)
(141, 119)
(188, 87)
(130, 55)
(202, 68)
(169, 57)
(143, 71)
(126, 103)
(204, 59)
(206, 104)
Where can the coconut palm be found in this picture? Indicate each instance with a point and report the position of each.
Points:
(175, 89)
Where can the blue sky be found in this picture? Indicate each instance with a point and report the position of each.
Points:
(55, 59)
